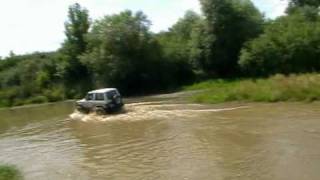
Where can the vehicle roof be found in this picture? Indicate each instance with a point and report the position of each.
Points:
(102, 90)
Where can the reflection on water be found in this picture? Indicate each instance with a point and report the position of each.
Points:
(163, 139)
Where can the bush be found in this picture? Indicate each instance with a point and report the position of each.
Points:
(9, 173)
(8, 95)
(4, 103)
(36, 100)
(18, 102)
(55, 94)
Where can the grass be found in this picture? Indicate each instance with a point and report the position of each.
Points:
(9, 173)
(277, 88)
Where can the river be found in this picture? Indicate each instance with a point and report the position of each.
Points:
(164, 137)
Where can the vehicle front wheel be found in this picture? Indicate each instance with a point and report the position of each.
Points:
(82, 109)
(99, 111)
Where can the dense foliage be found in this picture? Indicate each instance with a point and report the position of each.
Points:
(33, 78)
(228, 25)
(177, 42)
(290, 44)
(176, 45)
(123, 53)
(230, 38)
(76, 75)
(296, 4)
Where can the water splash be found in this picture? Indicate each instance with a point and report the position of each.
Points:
(151, 111)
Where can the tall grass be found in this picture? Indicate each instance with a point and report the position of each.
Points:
(274, 89)
(9, 173)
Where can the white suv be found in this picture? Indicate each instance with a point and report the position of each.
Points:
(101, 101)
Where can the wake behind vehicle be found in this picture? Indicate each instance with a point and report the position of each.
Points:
(101, 101)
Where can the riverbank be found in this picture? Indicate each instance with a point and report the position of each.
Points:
(274, 89)
(9, 172)
(278, 88)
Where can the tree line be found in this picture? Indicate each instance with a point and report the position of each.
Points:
(230, 39)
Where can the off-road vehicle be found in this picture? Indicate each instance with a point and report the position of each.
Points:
(101, 101)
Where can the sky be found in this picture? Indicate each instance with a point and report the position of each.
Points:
(27, 26)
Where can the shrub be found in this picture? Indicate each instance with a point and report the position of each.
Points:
(55, 94)
(9, 173)
(36, 100)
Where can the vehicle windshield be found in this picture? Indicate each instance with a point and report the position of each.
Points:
(89, 97)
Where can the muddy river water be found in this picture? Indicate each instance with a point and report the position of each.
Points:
(164, 138)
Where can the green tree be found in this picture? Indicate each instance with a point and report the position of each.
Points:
(76, 28)
(309, 8)
(123, 53)
(290, 44)
(301, 3)
(228, 25)
(184, 27)
(177, 44)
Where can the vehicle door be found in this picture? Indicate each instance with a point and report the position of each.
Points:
(99, 99)
(89, 100)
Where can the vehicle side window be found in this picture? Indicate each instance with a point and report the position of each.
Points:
(99, 97)
(89, 97)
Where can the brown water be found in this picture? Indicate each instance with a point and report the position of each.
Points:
(165, 138)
